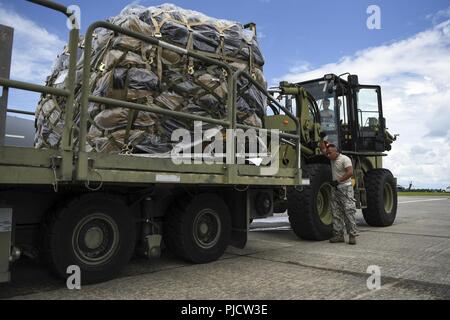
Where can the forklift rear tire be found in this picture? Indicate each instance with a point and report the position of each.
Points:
(309, 209)
(95, 232)
(198, 229)
(381, 191)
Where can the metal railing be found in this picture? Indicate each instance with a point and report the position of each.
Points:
(27, 113)
(66, 140)
(87, 97)
(232, 78)
(296, 137)
(69, 92)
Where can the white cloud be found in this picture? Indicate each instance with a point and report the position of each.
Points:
(439, 16)
(261, 35)
(415, 77)
(35, 49)
(300, 67)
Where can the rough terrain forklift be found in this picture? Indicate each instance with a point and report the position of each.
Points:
(350, 116)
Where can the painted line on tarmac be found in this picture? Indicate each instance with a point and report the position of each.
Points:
(270, 229)
(415, 201)
(408, 234)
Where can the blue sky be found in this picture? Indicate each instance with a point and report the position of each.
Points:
(409, 57)
(291, 32)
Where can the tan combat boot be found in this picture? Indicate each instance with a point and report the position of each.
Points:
(337, 239)
(351, 240)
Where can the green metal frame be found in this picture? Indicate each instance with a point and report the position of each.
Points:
(33, 166)
(7, 38)
(65, 165)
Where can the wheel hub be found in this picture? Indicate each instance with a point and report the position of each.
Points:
(388, 197)
(203, 228)
(323, 204)
(320, 202)
(95, 239)
(207, 229)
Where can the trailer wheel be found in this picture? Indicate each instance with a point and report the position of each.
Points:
(381, 198)
(95, 232)
(309, 209)
(198, 229)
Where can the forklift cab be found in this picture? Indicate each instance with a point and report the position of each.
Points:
(350, 114)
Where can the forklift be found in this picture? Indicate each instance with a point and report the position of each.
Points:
(350, 116)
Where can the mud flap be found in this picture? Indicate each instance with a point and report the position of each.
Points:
(5, 243)
(240, 215)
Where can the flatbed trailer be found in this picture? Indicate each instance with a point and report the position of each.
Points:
(111, 204)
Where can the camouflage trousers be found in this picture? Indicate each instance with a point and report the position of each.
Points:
(344, 210)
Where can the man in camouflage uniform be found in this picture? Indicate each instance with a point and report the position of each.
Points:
(342, 197)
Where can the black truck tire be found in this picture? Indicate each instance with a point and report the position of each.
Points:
(95, 232)
(198, 229)
(381, 190)
(304, 205)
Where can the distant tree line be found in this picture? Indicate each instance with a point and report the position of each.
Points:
(411, 189)
(403, 189)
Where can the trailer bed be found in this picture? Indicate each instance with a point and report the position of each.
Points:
(43, 166)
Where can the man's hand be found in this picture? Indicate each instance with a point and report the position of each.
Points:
(323, 147)
(334, 183)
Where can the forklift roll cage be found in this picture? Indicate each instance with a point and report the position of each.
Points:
(354, 140)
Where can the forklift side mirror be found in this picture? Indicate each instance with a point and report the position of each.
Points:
(353, 80)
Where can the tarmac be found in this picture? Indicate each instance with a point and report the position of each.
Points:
(411, 258)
